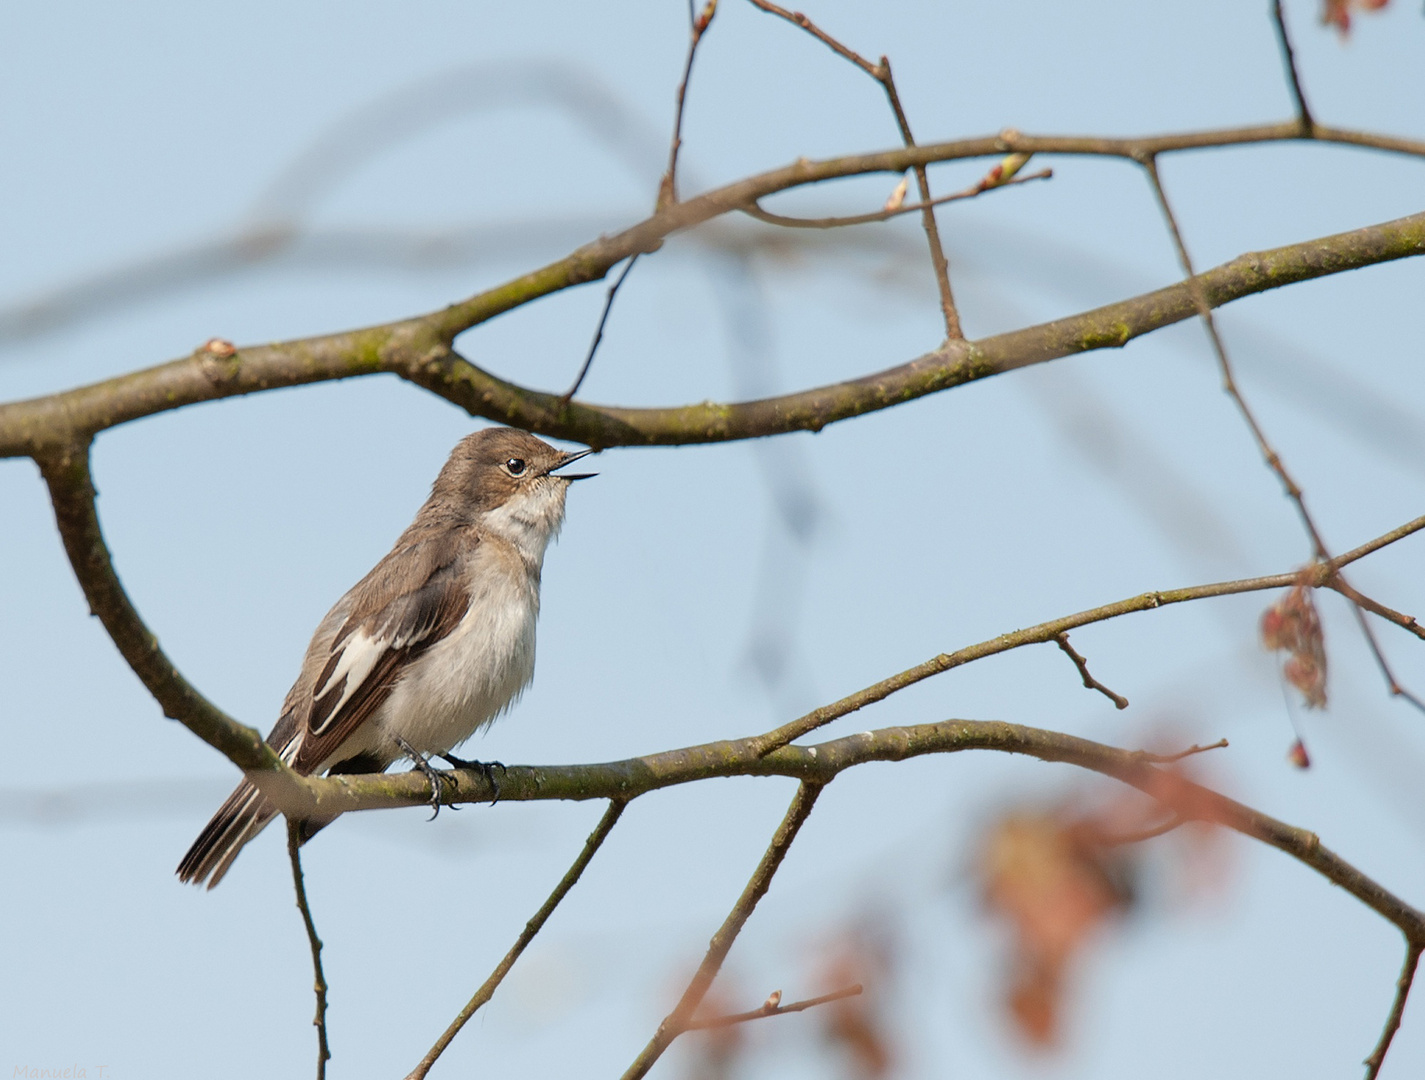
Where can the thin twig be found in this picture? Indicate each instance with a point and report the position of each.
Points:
(1405, 622)
(599, 332)
(1397, 1008)
(1172, 759)
(319, 982)
(1289, 62)
(754, 211)
(772, 1010)
(697, 26)
(1062, 640)
(531, 928)
(953, 330)
(331, 796)
(797, 18)
(1151, 833)
(676, 1022)
(1269, 454)
(1048, 631)
(881, 72)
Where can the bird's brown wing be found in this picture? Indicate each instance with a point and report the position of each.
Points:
(412, 599)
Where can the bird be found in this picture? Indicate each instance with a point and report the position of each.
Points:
(429, 647)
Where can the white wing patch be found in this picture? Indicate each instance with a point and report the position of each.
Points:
(358, 656)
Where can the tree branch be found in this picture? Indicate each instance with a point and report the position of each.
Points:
(319, 982)
(1269, 454)
(1322, 574)
(71, 490)
(676, 1022)
(599, 330)
(414, 350)
(697, 26)
(769, 218)
(1090, 683)
(881, 72)
(1289, 63)
(531, 928)
(1397, 1008)
(821, 763)
(770, 1009)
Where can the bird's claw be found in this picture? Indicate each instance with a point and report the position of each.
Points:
(421, 764)
(485, 768)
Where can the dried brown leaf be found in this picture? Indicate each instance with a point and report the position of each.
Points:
(1337, 13)
(1292, 625)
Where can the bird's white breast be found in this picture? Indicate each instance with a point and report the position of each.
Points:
(471, 676)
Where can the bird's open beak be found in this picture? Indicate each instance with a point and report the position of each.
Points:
(569, 459)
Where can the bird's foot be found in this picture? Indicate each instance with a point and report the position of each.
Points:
(421, 764)
(484, 768)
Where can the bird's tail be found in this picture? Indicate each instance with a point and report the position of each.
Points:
(240, 819)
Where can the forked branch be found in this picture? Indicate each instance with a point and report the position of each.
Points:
(676, 1022)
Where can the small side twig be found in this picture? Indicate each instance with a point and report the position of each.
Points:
(1170, 759)
(772, 1007)
(1062, 640)
(599, 331)
(1151, 833)
(531, 928)
(697, 26)
(1308, 124)
(881, 72)
(319, 982)
(1397, 1009)
(1375, 607)
(677, 1021)
(754, 211)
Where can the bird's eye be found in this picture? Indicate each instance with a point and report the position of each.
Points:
(514, 466)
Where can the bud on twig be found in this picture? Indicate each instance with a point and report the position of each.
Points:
(1005, 171)
(897, 199)
(705, 18)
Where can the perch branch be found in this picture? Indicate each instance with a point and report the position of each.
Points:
(821, 763)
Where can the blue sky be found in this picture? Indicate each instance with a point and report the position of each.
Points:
(680, 604)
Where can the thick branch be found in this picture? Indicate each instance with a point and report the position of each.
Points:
(821, 763)
(71, 490)
(416, 352)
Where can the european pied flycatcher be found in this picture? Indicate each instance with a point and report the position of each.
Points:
(429, 647)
